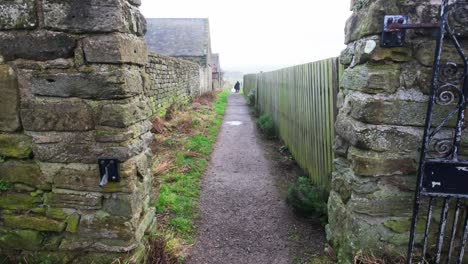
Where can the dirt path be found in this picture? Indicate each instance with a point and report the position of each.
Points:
(244, 216)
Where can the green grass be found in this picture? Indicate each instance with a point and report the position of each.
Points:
(180, 187)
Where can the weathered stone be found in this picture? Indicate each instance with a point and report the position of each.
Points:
(406, 108)
(380, 138)
(33, 223)
(342, 178)
(415, 76)
(346, 56)
(403, 225)
(92, 82)
(81, 177)
(56, 213)
(36, 45)
(125, 205)
(19, 14)
(122, 115)
(18, 201)
(52, 115)
(95, 16)
(20, 239)
(76, 200)
(9, 118)
(369, 20)
(25, 172)
(368, 163)
(110, 134)
(147, 223)
(115, 49)
(388, 201)
(340, 146)
(103, 225)
(368, 49)
(73, 222)
(425, 53)
(372, 79)
(15, 146)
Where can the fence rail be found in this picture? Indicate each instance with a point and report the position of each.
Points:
(302, 102)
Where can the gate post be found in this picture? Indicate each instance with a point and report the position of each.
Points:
(382, 108)
(71, 92)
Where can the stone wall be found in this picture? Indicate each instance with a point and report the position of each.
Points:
(383, 103)
(72, 91)
(205, 72)
(170, 80)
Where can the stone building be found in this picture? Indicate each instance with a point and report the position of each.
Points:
(184, 38)
(217, 72)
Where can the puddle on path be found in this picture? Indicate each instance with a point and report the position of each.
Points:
(234, 123)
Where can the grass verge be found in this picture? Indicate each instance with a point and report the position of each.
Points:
(184, 148)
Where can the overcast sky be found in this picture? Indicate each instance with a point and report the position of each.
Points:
(254, 35)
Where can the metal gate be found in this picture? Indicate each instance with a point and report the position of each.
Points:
(442, 182)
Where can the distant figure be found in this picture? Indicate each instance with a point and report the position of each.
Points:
(237, 87)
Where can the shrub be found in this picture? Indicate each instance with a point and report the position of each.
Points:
(267, 126)
(307, 200)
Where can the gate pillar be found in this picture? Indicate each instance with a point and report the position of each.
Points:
(71, 93)
(383, 103)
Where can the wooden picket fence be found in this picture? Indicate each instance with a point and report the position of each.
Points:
(301, 100)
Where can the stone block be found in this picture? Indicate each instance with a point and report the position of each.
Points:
(36, 45)
(76, 200)
(115, 49)
(23, 172)
(88, 152)
(368, 49)
(20, 239)
(398, 139)
(104, 226)
(368, 163)
(19, 201)
(55, 115)
(82, 177)
(33, 223)
(9, 117)
(92, 82)
(369, 20)
(19, 14)
(122, 114)
(372, 78)
(73, 222)
(425, 53)
(124, 205)
(15, 146)
(93, 16)
(110, 134)
(406, 108)
(388, 201)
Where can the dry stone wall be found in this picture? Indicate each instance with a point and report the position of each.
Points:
(72, 90)
(170, 80)
(383, 103)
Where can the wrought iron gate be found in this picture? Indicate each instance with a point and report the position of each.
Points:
(442, 182)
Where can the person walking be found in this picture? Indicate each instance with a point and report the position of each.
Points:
(237, 87)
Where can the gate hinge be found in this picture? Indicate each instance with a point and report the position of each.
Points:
(394, 31)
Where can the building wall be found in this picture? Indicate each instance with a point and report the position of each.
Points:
(206, 78)
(170, 80)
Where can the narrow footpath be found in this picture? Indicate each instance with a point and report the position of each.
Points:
(244, 216)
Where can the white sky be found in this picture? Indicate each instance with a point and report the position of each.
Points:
(254, 35)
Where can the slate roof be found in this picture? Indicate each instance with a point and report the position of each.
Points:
(178, 36)
(215, 62)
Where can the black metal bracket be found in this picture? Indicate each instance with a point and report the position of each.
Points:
(394, 31)
(108, 170)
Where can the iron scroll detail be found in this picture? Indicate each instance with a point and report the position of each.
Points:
(442, 179)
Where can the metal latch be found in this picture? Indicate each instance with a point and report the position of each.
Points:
(108, 170)
(394, 31)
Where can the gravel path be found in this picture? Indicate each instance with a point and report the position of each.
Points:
(244, 216)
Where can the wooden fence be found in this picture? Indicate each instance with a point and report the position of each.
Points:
(302, 102)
